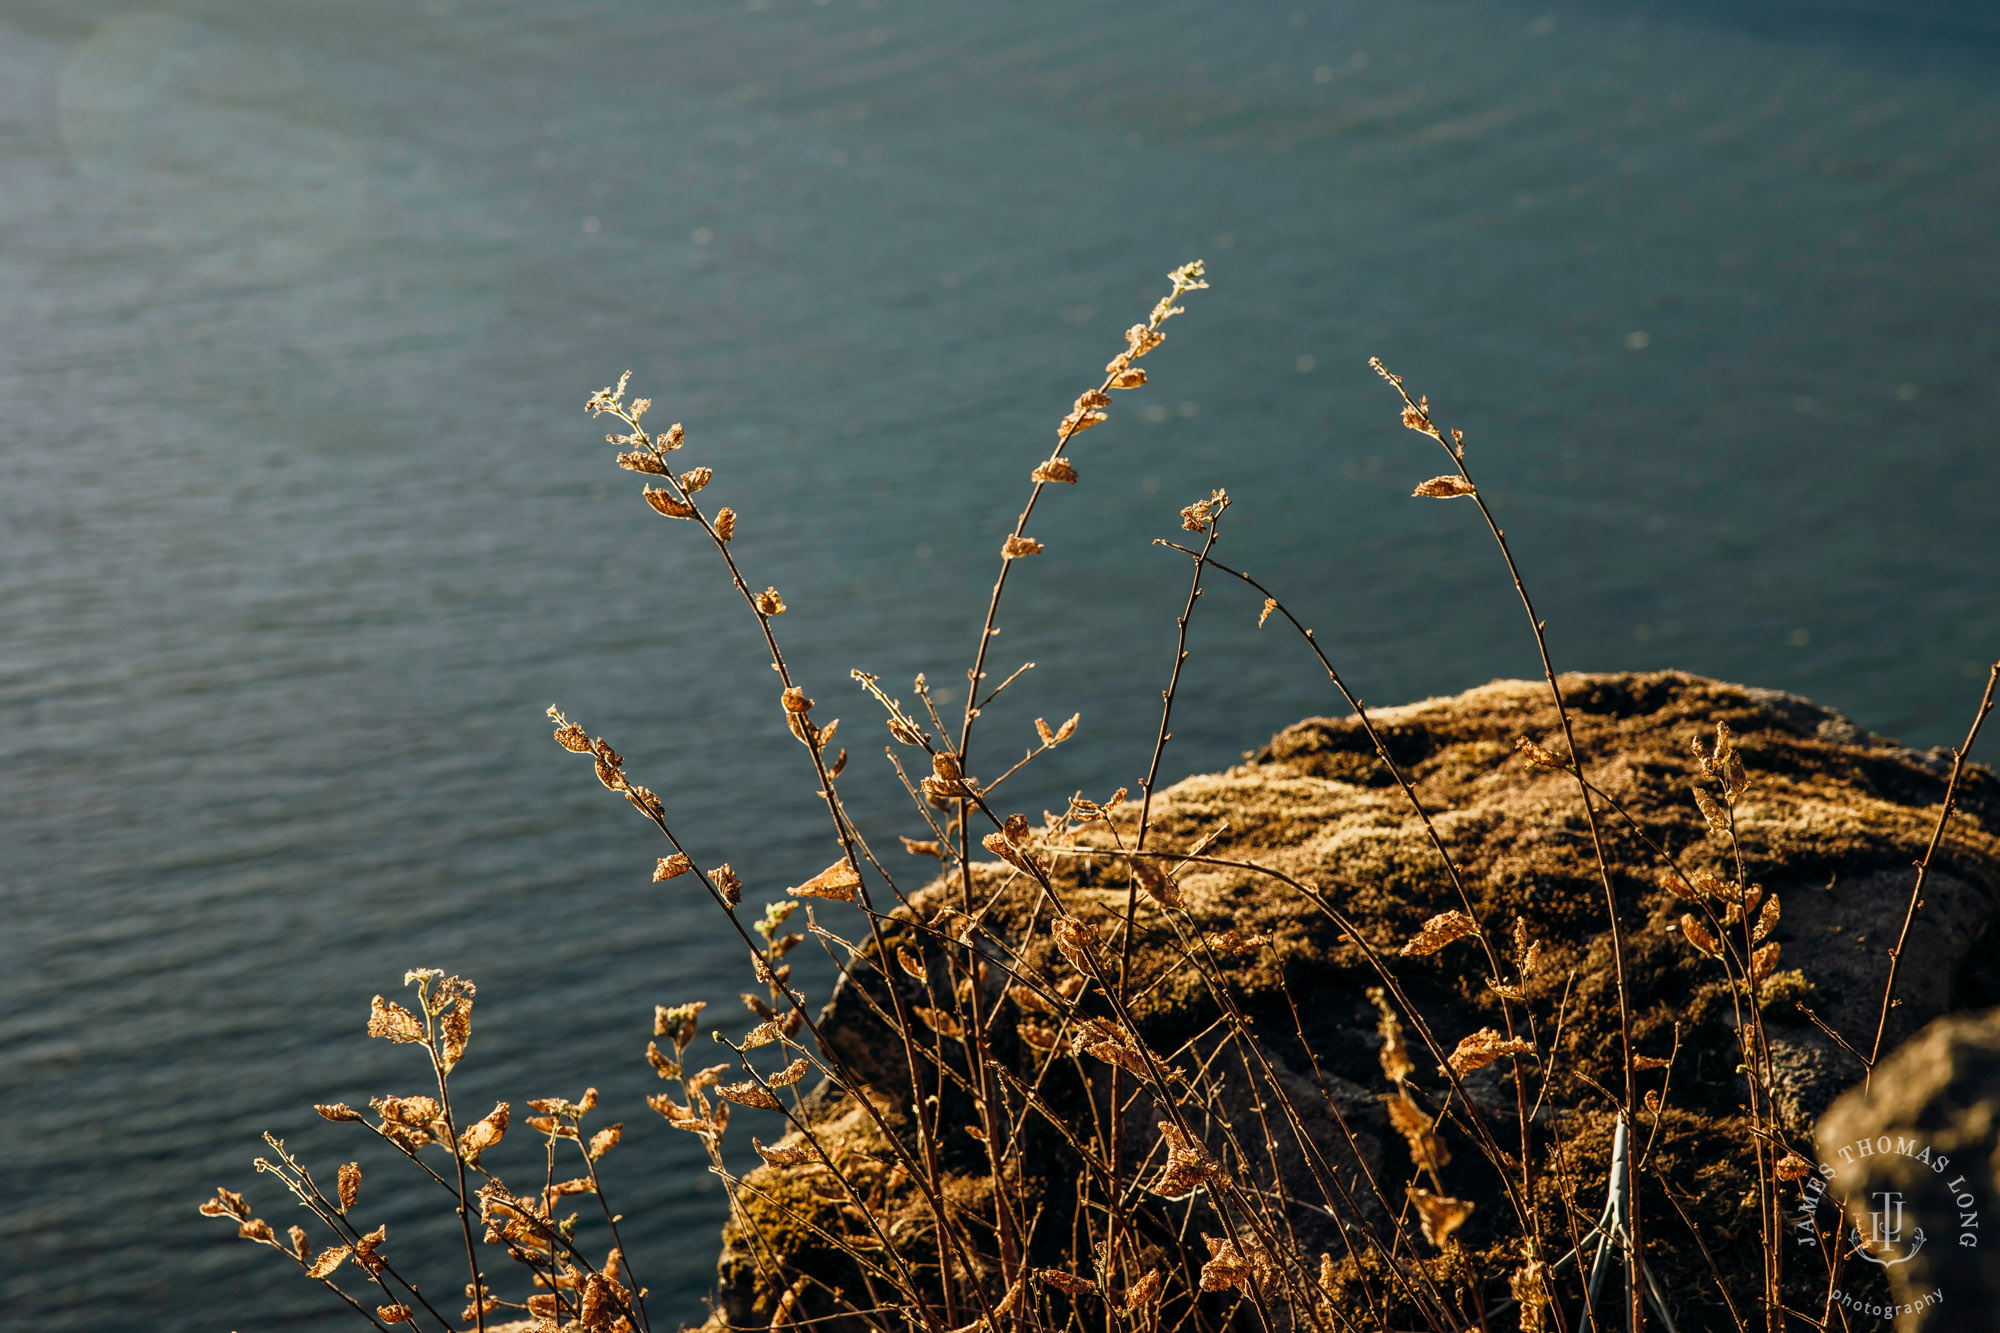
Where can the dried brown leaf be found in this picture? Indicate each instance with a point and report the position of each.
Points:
(483, 1133)
(389, 1019)
(838, 882)
(328, 1260)
(1485, 1046)
(1439, 931)
(781, 1155)
(1697, 935)
(1439, 1216)
(666, 502)
(1763, 962)
(1767, 920)
(747, 1093)
(1066, 1282)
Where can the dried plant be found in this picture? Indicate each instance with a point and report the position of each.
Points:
(1204, 1190)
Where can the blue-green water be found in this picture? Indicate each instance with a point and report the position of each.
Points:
(301, 526)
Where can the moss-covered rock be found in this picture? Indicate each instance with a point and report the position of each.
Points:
(1831, 824)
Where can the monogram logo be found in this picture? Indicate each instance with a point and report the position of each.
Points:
(1885, 1233)
(1922, 1186)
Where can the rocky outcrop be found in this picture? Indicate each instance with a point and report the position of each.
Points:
(1831, 824)
(1915, 1160)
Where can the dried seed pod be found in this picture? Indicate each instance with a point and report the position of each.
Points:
(337, 1111)
(1793, 1167)
(725, 523)
(1016, 547)
(671, 867)
(642, 462)
(604, 1140)
(1270, 605)
(727, 884)
(1643, 1062)
(395, 1314)
(348, 1185)
(1443, 487)
(1763, 962)
(795, 700)
(1439, 931)
(695, 480)
(1128, 379)
(769, 603)
(924, 848)
(1056, 470)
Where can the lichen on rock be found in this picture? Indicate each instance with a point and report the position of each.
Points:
(1831, 824)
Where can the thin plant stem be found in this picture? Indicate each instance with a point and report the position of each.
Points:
(1924, 869)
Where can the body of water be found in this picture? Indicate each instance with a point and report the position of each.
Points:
(302, 526)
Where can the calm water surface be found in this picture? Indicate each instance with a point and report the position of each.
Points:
(301, 526)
